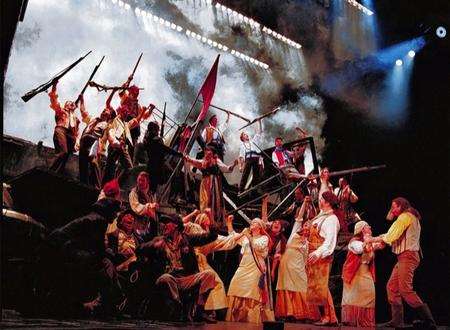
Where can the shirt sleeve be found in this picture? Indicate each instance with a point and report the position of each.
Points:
(397, 228)
(54, 104)
(357, 247)
(329, 231)
(261, 246)
(242, 151)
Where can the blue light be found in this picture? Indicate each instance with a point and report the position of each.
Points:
(399, 62)
(411, 53)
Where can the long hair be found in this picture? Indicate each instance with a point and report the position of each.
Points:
(405, 206)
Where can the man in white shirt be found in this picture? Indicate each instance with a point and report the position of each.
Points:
(213, 134)
(249, 158)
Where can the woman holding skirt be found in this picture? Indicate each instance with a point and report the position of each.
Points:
(248, 299)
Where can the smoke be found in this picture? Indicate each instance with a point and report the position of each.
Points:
(55, 33)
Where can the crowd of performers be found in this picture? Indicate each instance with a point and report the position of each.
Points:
(149, 264)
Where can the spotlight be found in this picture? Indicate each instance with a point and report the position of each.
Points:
(225, 48)
(167, 23)
(173, 26)
(218, 5)
(155, 18)
(179, 28)
(411, 53)
(229, 11)
(233, 52)
(209, 42)
(127, 6)
(441, 32)
(188, 32)
(199, 37)
(399, 62)
(214, 44)
(203, 39)
(219, 46)
(137, 11)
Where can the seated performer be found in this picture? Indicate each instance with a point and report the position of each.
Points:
(119, 138)
(292, 284)
(121, 244)
(92, 135)
(66, 130)
(213, 134)
(211, 184)
(322, 242)
(157, 151)
(250, 160)
(76, 262)
(248, 292)
(358, 274)
(404, 238)
(176, 269)
(143, 203)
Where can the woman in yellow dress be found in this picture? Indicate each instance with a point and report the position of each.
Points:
(248, 292)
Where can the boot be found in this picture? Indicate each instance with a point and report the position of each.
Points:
(427, 320)
(397, 318)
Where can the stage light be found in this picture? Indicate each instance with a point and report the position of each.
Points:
(214, 44)
(209, 42)
(167, 23)
(399, 62)
(441, 32)
(155, 18)
(411, 53)
(241, 16)
(114, 1)
(121, 3)
(225, 48)
(127, 6)
(229, 11)
(218, 5)
(233, 52)
(137, 11)
(179, 28)
(188, 32)
(199, 37)
(219, 46)
(173, 26)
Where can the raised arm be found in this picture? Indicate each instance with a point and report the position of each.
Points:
(54, 104)
(109, 99)
(191, 216)
(84, 114)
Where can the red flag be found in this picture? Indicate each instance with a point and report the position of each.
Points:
(208, 89)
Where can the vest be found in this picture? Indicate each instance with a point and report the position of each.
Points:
(410, 239)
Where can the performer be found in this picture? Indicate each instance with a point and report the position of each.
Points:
(248, 292)
(119, 138)
(143, 203)
(157, 151)
(213, 134)
(404, 238)
(358, 274)
(346, 198)
(322, 241)
(281, 156)
(298, 157)
(250, 159)
(291, 302)
(302, 204)
(129, 101)
(217, 299)
(121, 244)
(211, 185)
(66, 130)
(93, 135)
(177, 269)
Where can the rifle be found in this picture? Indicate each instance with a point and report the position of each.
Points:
(104, 88)
(261, 117)
(161, 132)
(48, 84)
(228, 112)
(127, 84)
(350, 171)
(87, 83)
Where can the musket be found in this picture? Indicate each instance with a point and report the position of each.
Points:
(134, 70)
(350, 171)
(261, 117)
(161, 132)
(48, 84)
(104, 88)
(90, 78)
(228, 111)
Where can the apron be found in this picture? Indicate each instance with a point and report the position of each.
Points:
(319, 272)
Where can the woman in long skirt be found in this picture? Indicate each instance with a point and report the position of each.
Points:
(358, 274)
(248, 292)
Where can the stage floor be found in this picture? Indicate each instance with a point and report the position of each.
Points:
(11, 319)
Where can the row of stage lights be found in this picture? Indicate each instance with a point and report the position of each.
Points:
(411, 54)
(360, 7)
(256, 25)
(178, 28)
(224, 48)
